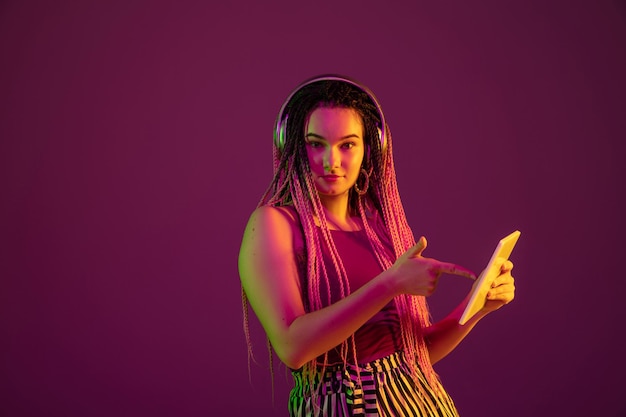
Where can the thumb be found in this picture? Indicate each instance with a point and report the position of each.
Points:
(419, 247)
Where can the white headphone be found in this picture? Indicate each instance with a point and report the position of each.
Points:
(281, 121)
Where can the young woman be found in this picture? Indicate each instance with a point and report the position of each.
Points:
(331, 268)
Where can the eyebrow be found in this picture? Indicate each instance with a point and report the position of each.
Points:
(316, 136)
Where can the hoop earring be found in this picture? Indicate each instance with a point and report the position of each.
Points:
(366, 185)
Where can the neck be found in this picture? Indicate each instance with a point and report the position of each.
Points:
(337, 213)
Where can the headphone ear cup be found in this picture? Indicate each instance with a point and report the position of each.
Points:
(280, 134)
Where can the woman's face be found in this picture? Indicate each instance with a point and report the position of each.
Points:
(335, 148)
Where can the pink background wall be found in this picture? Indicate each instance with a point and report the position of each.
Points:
(135, 141)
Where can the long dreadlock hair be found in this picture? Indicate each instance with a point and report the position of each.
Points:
(380, 210)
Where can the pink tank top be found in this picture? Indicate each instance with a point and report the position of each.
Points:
(380, 336)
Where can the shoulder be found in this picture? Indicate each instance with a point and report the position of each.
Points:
(278, 227)
(282, 219)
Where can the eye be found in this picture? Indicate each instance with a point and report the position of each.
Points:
(348, 145)
(314, 144)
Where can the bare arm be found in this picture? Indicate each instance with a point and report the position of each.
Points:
(269, 275)
(444, 336)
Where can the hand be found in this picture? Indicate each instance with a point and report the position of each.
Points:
(502, 289)
(416, 275)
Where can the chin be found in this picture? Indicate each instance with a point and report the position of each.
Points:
(332, 193)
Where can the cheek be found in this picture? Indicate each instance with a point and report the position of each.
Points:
(354, 168)
(314, 158)
(357, 161)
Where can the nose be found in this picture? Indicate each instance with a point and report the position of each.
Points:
(332, 159)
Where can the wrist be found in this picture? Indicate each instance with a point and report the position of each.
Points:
(388, 283)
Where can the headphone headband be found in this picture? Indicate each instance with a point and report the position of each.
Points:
(281, 120)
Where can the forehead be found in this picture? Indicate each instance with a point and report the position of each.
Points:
(335, 120)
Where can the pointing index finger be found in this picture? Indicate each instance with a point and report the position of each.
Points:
(450, 268)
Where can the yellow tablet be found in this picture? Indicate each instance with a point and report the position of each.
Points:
(484, 281)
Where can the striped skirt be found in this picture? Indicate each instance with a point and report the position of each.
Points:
(386, 389)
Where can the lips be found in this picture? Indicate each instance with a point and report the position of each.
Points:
(331, 178)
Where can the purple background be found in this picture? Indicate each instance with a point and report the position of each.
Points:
(135, 141)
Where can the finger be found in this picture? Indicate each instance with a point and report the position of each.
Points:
(506, 266)
(503, 278)
(504, 285)
(418, 248)
(448, 268)
(506, 295)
